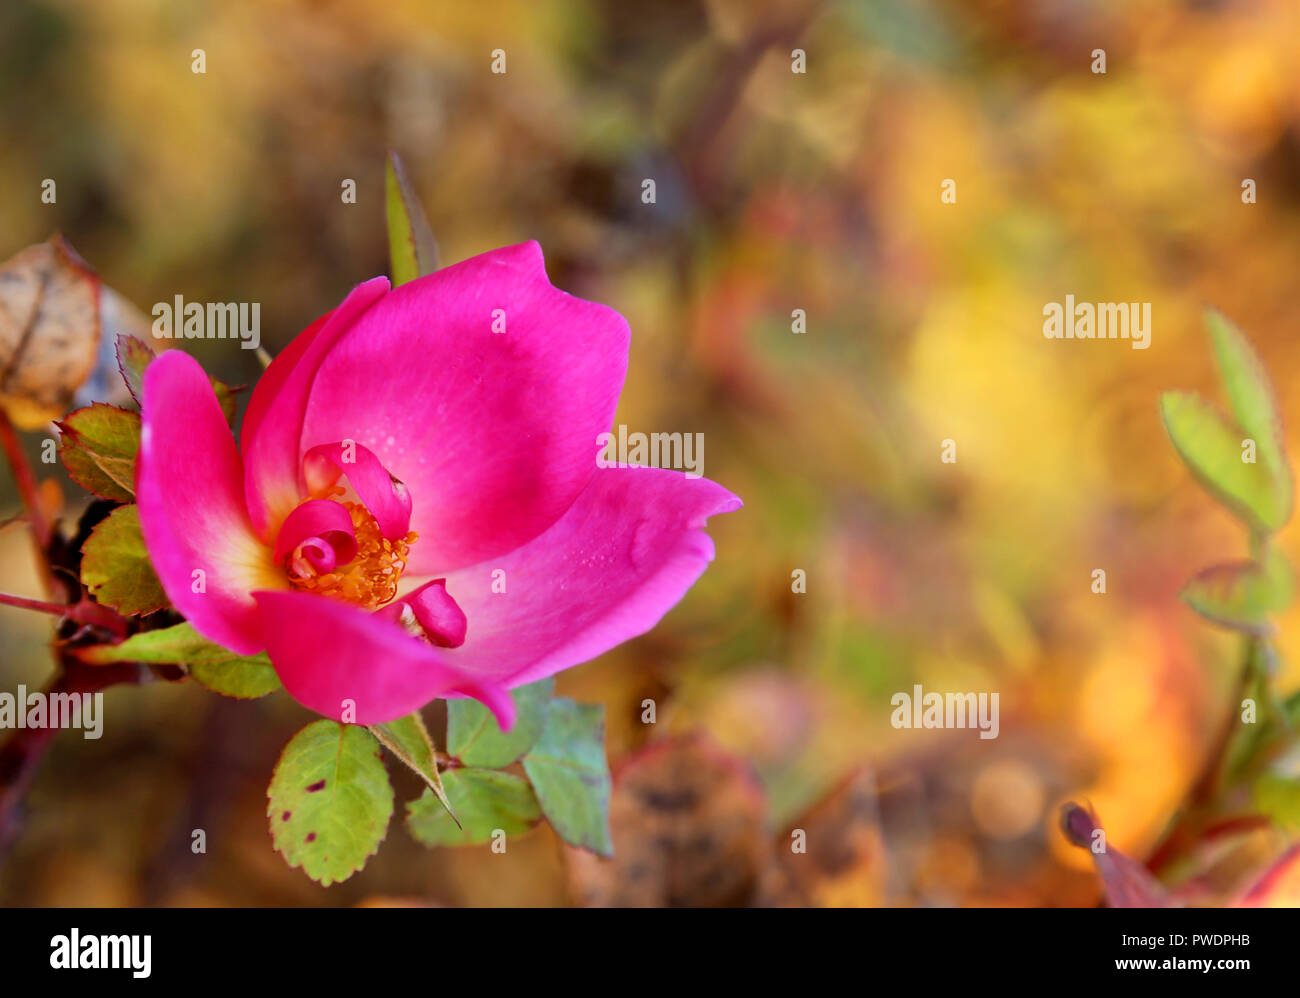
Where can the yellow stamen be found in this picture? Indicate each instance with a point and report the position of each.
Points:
(370, 579)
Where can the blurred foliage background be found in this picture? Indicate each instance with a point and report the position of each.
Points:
(776, 191)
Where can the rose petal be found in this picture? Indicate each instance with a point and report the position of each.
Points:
(492, 433)
(189, 486)
(273, 452)
(318, 518)
(388, 501)
(437, 613)
(615, 563)
(273, 378)
(329, 653)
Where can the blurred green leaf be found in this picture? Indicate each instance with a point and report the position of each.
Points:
(485, 799)
(475, 738)
(1249, 391)
(1211, 447)
(219, 669)
(411, 246)
(98, 446)
(115, 566)
(1251, 397)
(329, 800)
(1243, 594)
(570, 775)
(916, 32)
(1278, 796)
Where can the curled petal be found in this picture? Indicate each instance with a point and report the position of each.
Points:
(318, 518)
(615, 563)
(331, 655)
(318, 553)
(189, 485)
(436, 615)
(387, 499)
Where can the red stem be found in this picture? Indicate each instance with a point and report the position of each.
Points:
(21, 756)
(25, 482)
(84, 612)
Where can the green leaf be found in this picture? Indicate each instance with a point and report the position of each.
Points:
(98, 447)
(226, 398)
(1253, 403)
(1291, 710)
(410, 240)
(1278, 796)
(485, 799)
(1211, 447)
(570, 775)
(133, 356)
(408, 739)
(329, 801)
(475, 738)
(115, 565)
(1249, 391)
(219, 669)
(1242, 594)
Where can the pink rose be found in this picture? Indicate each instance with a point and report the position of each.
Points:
(398, 458)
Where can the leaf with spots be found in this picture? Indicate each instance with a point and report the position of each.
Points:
(569, 773)
(487, 801)
(475, 738)
(115, 566)
(209, 664)
(98, 446)
(329, 800)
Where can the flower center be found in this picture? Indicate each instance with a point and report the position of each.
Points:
(369, 579)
